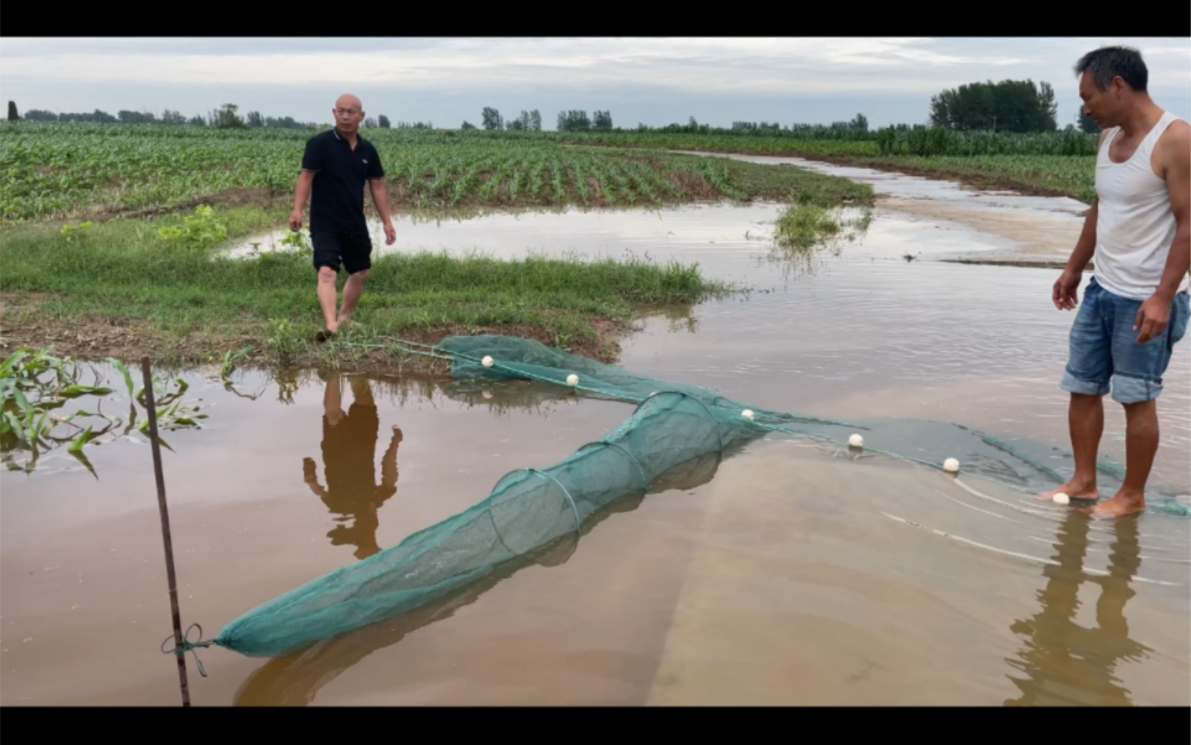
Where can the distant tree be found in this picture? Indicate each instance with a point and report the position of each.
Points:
(197, 121)
(172, 117)
(1086, 124)
(523, 123)
(12, 112)
(96, 116)
(601, 120)
(860, 123)
(1008, 106)
(227, 118)
(136, 117)
(535, 121)
(283, 123)
(255, 119)
(467, 125)
(573, 121)
(38, 115)
(382, 121)
(490, 118)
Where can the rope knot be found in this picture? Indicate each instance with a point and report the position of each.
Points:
(189, 646)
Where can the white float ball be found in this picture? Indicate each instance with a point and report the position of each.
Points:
(747, 414)
(572, 379)
(951, 465)
(487, 361)
(856, 441)
(1061, 498)
(486, 394)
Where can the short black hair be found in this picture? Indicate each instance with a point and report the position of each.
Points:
(1107, 63)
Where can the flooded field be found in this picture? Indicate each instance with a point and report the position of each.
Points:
(789, 575)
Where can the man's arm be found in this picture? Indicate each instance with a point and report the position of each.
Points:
(312, 163)
(380, 197)
(388, 464)
(301, 194)
(311, 479)
(1064, 293)
(1174, 152)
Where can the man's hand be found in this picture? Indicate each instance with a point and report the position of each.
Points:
(1152, 318)
(295, 221)
(308, 470)
(1065, 296)
(390, 233)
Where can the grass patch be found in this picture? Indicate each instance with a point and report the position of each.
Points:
(804, 228)
(125, 287)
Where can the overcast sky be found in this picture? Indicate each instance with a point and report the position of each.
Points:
(655, 81)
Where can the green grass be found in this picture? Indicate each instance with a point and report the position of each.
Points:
(801, 227)
(1072, 176)
(190, 304)
(1026, 162)
(805, 228)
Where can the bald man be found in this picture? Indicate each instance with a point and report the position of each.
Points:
(335, 168)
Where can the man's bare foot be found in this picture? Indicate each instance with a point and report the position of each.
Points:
(1118, 506)
(327, 334)
(1074, 490)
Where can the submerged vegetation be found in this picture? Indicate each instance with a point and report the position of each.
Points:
(36, 387)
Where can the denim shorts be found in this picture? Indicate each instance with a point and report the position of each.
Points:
(1104, 347)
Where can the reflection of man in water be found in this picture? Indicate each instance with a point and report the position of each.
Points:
(349, 447)
(1066, 663)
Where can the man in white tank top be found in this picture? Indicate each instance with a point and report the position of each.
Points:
(1135, 307)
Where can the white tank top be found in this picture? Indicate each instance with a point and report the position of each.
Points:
(1135, 226)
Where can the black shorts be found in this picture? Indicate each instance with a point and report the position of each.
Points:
(353, 250)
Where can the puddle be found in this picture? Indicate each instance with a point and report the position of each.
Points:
(860, 333)
(1040, 230)
(791, 577)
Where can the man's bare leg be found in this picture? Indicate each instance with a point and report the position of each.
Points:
(351, 295)
(333, 401)
(1141, 444)
(1085, 419)
(327, 294)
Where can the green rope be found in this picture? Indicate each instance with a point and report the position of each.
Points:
(1007, 448)
(190, 646)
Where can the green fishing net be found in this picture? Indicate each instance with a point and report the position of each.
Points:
(674, 429)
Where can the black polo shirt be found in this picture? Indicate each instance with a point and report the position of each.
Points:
(337, 195)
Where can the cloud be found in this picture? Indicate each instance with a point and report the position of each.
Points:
(419, 70)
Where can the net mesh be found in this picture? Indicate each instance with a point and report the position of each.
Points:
(675, 431)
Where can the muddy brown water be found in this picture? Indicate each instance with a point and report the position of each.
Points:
(789, 576)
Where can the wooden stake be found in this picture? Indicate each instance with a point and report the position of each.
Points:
(165, 529)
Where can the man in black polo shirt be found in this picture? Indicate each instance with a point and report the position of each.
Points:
(335, 168)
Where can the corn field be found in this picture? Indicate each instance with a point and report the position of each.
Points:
(83, 170)
(78, 170)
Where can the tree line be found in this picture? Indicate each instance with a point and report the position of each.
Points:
(1011, 106)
